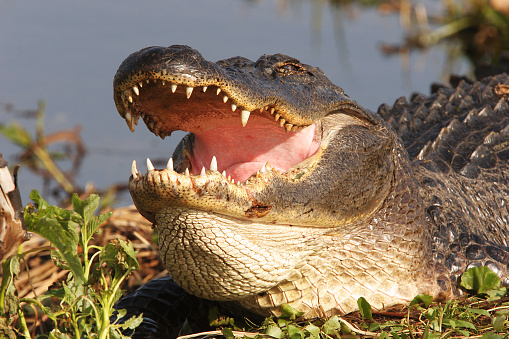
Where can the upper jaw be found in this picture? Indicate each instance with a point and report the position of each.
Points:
(293, 100)
(166, 107)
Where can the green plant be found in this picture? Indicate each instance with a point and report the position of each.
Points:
(86, 297)
(484, 315)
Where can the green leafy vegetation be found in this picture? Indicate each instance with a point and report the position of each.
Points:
(484, 314)
(85, 299)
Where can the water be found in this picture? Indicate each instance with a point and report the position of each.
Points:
(67, 53)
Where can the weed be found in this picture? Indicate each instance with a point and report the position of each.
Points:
(86, 297)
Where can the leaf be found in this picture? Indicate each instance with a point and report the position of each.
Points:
(332, 325)
(65, 241)
(282, 323)
(87, 207)
(422, 299)
(374, 327)
(228, 333)
(115, 334)
(6, 331)
(465, 324)
(504, 311)
(56, 334)
(364, 308)
(133, 322)
(274, 331)
(11, 300)
(479, 311)
(498, 323)
(61, 228)
(295, 332)
(314, 331)
(479, 279)
(491, 335)
(17, 134)
(289, 312)
(496, 294)
(130, 254)
(41, 203)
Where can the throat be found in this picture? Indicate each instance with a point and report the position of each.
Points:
(242, 151)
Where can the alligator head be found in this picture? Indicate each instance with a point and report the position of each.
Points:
(282, 174)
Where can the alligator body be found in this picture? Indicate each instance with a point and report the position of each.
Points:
(286, 191)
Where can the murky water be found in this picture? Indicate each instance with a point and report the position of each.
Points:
(66, 53)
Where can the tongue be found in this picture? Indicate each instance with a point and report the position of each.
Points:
(241, 151)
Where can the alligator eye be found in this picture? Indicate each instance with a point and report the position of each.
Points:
(289, 68)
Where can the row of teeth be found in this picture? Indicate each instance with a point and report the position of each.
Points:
(213, 167)
(132, 120)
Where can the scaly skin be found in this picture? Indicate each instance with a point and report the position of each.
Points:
(317, 208)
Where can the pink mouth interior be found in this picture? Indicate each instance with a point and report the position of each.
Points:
(241, 151)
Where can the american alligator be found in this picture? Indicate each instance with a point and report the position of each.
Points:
(287, 191)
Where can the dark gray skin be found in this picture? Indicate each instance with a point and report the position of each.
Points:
(384, 209)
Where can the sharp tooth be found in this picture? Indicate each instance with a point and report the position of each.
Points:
(204, 89)
(268, 166)
(140, 84)
(129, 120)
(202, 173)
(189, 91)
(218, 91)
(173, 88)
(234, 107)
(136, 90)
(130, 98)
(134, 170)
(186, 173)
(288, 127)
(277, 116)
(263, 169)
(148, 80)
(244, 117)
(164, 82)
(282, 122)
(213, 164)
(261, 110)
(272, 109)
(150, 167)
(169, 165)
(224, 174)
(225, 98)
